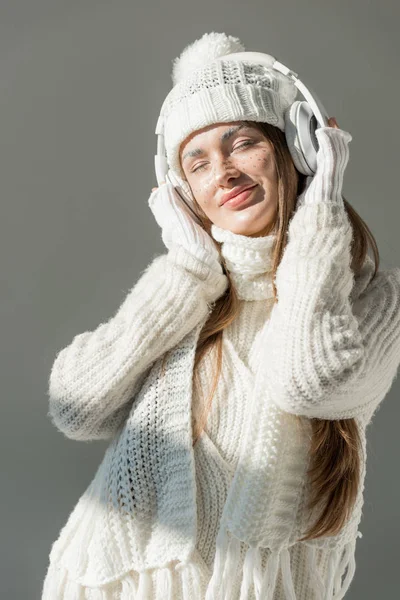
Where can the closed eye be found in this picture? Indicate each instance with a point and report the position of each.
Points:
(246, 143)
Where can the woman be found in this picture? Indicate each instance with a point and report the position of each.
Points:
(236, 381)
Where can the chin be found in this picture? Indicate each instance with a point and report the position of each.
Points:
(251, 230)
(256, 221)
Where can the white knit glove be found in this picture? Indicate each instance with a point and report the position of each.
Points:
(179, 227)
(332, 159)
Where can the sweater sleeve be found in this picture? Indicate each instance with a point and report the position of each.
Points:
(94, 379)
(325, 356)
(377, 311)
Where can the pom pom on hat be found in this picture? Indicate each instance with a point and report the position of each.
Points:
(202, 51)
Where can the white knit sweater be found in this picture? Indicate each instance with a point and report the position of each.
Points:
(149, 524)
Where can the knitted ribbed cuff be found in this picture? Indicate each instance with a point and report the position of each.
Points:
(332, 159)
(197, 264)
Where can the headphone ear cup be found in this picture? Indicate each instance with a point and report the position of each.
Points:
(300, 126)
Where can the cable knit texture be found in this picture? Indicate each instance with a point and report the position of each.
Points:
(220, 521)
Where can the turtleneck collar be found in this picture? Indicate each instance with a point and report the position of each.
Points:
(249, 262)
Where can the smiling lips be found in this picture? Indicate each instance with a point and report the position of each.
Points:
(240, 198)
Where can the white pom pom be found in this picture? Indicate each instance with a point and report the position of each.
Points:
(202, 51)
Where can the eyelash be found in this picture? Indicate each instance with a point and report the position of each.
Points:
(246, 143)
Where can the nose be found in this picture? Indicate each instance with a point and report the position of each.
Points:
(224, 170)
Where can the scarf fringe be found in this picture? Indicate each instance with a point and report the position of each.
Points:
(184, 581)
(222, 585)
(161, 584)
(348, 561)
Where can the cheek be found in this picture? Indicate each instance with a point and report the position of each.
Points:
(259, 162)
(204, 191)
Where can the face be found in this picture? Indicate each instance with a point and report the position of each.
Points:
(222, 158)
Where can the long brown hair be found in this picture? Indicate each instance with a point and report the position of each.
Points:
(335, 446)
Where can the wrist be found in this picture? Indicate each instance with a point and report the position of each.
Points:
(208, 256)
(214, 281)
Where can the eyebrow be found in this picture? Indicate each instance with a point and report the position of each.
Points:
(225, 136)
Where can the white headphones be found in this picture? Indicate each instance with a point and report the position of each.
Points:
(301, 121)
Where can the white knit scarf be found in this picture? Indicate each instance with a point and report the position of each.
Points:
(263, 500)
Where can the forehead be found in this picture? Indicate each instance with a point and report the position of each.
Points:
(219, 132)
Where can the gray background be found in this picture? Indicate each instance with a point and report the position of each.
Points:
(81, 85)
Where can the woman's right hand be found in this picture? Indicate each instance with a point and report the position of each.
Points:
(177, 224)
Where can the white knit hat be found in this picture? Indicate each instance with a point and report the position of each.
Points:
(208, 91)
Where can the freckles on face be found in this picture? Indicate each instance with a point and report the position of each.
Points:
(259, 214)
(257, 168)
(225, 167)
